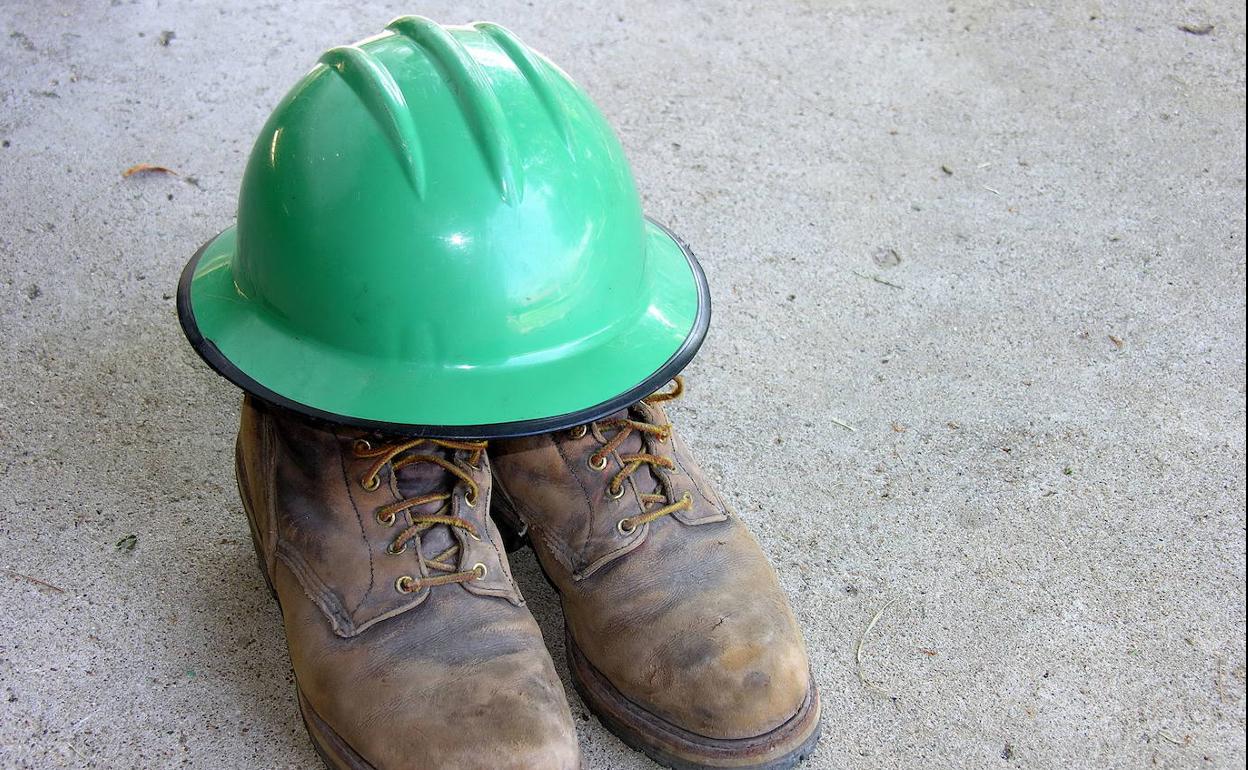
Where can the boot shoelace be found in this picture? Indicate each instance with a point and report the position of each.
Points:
(624, 427)
(399, 455)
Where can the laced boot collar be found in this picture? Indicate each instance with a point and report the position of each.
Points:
(428, 473)
(642, 438)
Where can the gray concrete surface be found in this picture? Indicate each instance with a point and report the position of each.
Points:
(1004, 242)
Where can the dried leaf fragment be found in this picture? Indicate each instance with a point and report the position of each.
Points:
(146, 168)
(1197, 29)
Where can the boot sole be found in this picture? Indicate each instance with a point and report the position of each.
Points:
(667, 744)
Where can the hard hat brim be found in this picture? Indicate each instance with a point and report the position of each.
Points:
(584, 381)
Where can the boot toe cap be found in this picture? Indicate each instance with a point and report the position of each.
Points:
(738, 681)
(510, 734)
(744, 691)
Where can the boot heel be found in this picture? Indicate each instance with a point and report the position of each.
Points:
(255, 538)
(260, 562)
(264, 569)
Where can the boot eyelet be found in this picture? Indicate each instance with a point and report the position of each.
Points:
(370, 484)
(390, 549)
(360, 447)
(480, 570)
(617, 493)
(625, 527)
(386, 519)
(579, 431)
(470, 500)
(596, 462)
(405, 584)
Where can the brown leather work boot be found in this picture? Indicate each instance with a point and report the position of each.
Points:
(411, 645)
(679, 636)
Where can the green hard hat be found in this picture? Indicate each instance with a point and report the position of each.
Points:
(439, 234)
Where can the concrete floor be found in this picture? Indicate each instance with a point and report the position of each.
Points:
(977, 363)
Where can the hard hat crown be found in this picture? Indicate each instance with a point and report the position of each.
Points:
(440, 211)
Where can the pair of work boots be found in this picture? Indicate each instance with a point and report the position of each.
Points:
(412, 646)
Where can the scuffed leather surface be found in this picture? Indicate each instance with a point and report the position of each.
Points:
(450, 676)
(324, 524)
(684, 616)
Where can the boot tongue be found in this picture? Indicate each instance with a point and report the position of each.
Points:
(420, 479)
(647, 483)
